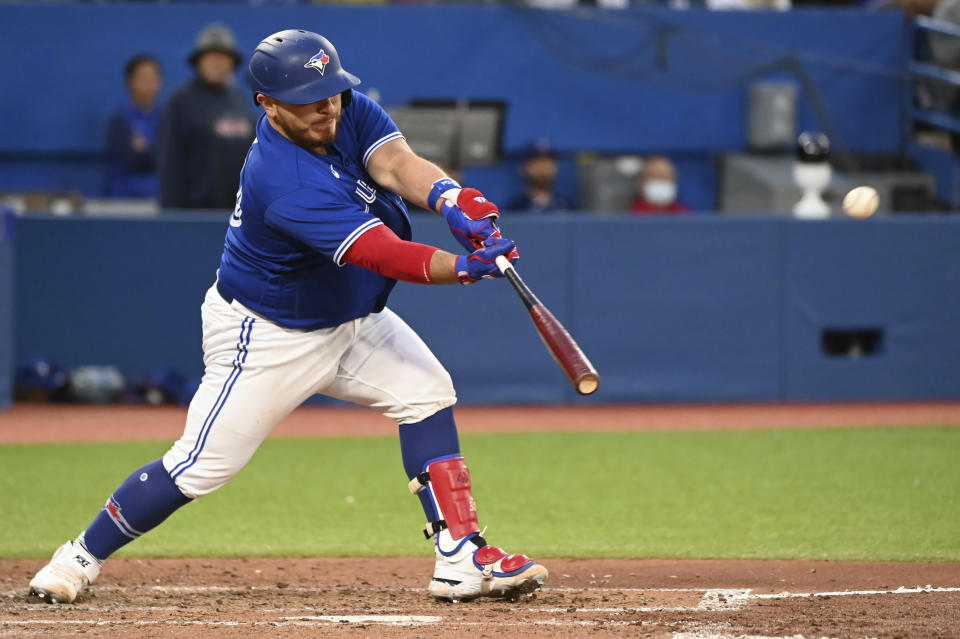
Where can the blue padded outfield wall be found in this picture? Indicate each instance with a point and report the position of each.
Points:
(6, 307)
(700, 309)
(676, 81)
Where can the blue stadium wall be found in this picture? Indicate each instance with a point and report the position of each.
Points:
(700, 309)
(7, 355)
(675, 81)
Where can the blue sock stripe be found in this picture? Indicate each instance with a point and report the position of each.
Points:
(218, 405)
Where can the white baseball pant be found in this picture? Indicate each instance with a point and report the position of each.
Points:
(257, 372)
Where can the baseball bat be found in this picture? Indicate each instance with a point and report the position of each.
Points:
(558, 341)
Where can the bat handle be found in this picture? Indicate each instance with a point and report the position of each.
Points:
(503, 264)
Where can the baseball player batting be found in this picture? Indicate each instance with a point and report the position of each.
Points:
(318, 239)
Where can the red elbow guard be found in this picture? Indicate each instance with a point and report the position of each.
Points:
(381, 251)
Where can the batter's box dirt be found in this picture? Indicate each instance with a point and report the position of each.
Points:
(388, 598)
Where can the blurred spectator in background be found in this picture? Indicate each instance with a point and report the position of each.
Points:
(657, 188)
(540, 176)
(207, 128)
(733, 5)
(132, 132)
(913, 8)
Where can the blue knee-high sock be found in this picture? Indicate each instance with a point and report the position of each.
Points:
(145, 499)
(427, 440)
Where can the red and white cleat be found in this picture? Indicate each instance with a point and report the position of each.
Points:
(471, 568)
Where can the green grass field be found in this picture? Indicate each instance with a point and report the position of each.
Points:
(864, 493)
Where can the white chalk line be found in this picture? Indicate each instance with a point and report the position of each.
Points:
(713, 600)
(734, 599)
(328, 620)
(709, 634)
(320, 589)
(45, 607)
(710, 594)
(725, 631)
(272, 588)
(847, 593)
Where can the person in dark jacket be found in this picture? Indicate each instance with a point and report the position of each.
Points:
(540, 178)
(206, 130)
(132, 132)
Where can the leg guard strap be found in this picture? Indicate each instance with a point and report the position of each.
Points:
(419, 482)
(433, 527)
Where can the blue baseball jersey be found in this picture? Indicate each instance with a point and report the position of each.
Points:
(297, 214)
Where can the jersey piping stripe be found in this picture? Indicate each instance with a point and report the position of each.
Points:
(238, 362)
(376, 145)
(348, 242)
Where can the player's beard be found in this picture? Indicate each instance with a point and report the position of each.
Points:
(305, 135)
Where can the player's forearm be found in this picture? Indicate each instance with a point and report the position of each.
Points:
(415, 177)
(443, 268)
(397, 168)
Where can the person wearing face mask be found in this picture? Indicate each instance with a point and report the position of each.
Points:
(657, 189)
(206, 129)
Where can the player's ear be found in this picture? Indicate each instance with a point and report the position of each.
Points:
(267, 103)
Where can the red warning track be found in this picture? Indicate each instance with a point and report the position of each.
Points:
(48, 423)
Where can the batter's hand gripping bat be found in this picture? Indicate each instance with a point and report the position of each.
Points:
(564, 349)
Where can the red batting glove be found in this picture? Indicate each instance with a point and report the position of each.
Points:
(480, 224)
(475, 206)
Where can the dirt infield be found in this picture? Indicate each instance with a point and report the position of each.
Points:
(50, 423)
(676, 599)
(387, 598)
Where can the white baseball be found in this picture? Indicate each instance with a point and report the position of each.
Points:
(861, 202)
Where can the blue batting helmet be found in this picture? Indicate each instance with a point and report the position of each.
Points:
(298, 67)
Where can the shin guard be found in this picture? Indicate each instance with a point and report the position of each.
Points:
(448, 483)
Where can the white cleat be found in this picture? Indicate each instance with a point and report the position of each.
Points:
(473, 569)
(71, 570)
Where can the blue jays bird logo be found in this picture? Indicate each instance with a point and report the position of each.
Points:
(318, 62)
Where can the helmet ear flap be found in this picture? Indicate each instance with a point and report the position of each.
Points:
(345, 98)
